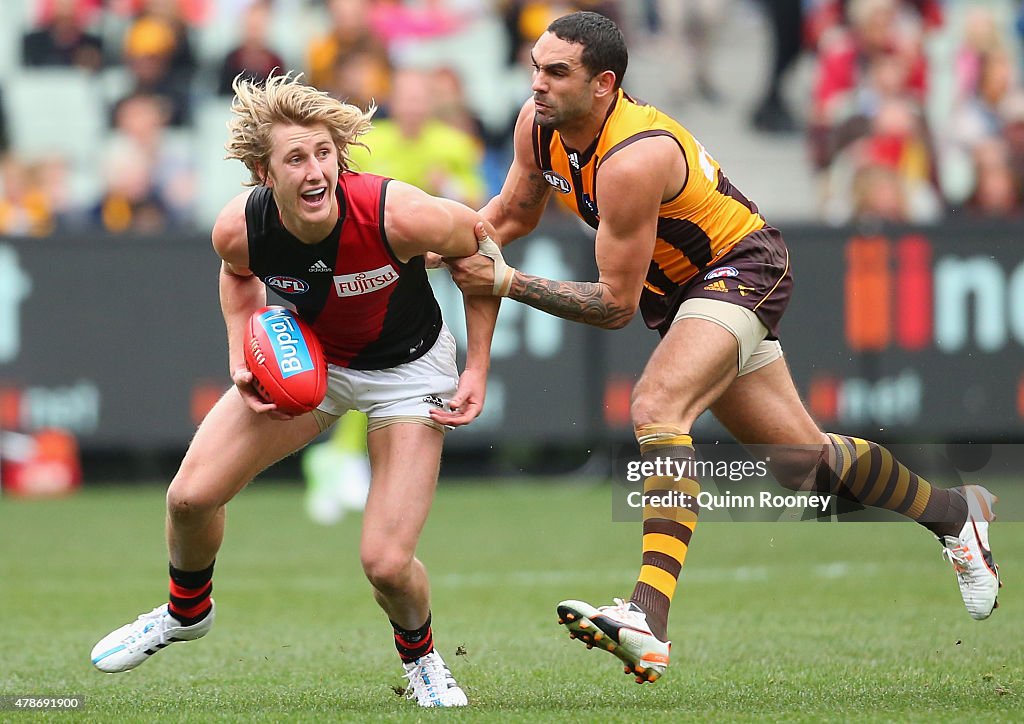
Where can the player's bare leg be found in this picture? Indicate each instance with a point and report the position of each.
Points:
(688, 370)
(404, 461)
(764, 408)
(691, 366)
(231, 446)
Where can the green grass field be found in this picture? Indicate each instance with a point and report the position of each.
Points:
(783, 621)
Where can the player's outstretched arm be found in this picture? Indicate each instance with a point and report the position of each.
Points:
(516, 211)
(635, 179)
(417, 223)
(241, 293)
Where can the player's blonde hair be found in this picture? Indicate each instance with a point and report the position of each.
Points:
(283, 99)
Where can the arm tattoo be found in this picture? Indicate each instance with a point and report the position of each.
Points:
(585, 302)
(538, 192)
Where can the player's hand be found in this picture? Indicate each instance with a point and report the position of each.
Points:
(468, 401)
(484, 273)
(242, 378)
(432, 260)
(473, 274)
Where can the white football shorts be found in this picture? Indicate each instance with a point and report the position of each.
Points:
(410, 390)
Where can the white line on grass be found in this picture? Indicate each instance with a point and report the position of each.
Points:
(740, 574)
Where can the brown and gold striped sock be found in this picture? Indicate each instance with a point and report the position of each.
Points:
(666, 530)
(869, 474)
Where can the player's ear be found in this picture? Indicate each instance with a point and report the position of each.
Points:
(264, 176)
(604, 83)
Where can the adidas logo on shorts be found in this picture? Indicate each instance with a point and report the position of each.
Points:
(320, 266)
(434, 400)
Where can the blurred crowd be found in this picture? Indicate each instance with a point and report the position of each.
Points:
(877, 147)
(884, 148)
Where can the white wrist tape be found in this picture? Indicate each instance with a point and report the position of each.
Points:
(503, 273)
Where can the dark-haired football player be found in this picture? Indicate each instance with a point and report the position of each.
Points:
(678, 242)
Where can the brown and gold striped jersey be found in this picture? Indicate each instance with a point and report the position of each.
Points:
(700, 224)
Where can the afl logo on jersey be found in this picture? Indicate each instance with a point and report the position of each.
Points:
(287, 285)
(560, 184)
(722, 271)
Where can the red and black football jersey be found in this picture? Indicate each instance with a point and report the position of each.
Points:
(369, 310)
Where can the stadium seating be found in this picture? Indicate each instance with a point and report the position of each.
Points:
(57, 110)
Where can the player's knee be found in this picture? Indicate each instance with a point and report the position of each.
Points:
(644, 408)
(651, 407)
(386, 569)
(188, 502)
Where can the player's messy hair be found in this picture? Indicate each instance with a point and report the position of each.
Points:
(256, 107)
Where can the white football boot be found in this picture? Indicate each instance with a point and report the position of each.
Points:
(970, 555)
(431, 682)
(621, 630)
(133, 643)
